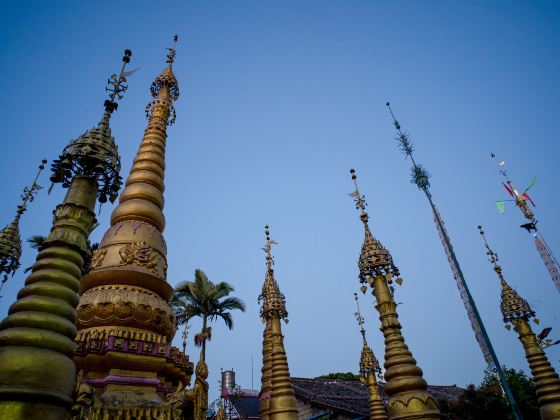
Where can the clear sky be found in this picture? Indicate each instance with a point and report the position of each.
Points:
(278, 101)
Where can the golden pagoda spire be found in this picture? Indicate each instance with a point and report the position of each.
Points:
(10, 240)
(37, 373)
(407, 389)
(369, 368)
(125, 324)
(518, 312)
(282, 401)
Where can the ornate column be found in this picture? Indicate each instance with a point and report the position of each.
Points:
(125, 324)
(517, 311)
(36, 339)
(369, 367)
(282, 403)
(407, 389)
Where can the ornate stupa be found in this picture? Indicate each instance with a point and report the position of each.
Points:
(407, 389)
(37, 373)
(277, 400)
(125, 324)
(10, 239)
(516, 311)
(369, 369)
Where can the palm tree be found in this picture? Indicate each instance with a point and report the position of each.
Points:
(204, 299)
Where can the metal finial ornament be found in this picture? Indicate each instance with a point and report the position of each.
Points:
(418, 174)
(10, 240)
(271, 298)
(165, 87)
(420, 177)
(374, 259)
(512, 305)
(95, 154)
(184, 336)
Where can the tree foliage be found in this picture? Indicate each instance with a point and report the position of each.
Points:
(487, 401)
(203, 299)
(341, 376)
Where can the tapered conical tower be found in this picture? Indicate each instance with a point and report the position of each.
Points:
(407, 389)
(517, 311)
(125, 324)
(277, 400)
(369, 369)
(37, 373)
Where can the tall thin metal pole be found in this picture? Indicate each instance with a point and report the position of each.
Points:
(420, 177)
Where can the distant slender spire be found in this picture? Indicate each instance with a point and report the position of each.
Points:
(369, 369)
(282, 403)
(421, 177)
(10, 239)
(407, 390)
(518, 312)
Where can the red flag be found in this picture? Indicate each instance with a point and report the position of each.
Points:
(529, 198)
(508, 190)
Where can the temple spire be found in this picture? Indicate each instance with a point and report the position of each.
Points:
(124, 299)
(10, 239)
(518, 312)
(407, 390)
(37, 373)
(369, 368)
(282, 402)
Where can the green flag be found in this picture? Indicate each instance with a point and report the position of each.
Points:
(501, 206)
(531, 183)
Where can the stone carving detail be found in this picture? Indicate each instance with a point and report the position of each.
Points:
(139, 253)
(97, 257)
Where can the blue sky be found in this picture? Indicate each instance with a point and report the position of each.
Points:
(278, 101)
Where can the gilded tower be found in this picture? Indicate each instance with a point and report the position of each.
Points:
(517, 311)
(125, 324)
(277, 400)
(37, 373)
(369, 368)
(407, 389)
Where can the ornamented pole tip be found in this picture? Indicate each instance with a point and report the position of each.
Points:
(512, 305)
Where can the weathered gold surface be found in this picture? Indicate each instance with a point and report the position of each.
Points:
(407, 389)
(277, 386)
(124, 320)
(264, 395)
(36, 339)
(377, 410)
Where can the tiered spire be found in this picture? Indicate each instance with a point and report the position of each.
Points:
(516, 311)
(125, 324)
(369, 369)
(36, 339)
(407, 390)
(278, 390)
(10, 239)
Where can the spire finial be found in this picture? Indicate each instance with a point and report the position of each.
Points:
(360, 318)
(28, 194)
(359, 199)
(268, 250)
(172, 52)
(513, 306)
(418, 174)
(116, 86)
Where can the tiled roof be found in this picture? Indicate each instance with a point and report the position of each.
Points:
(351, 397)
